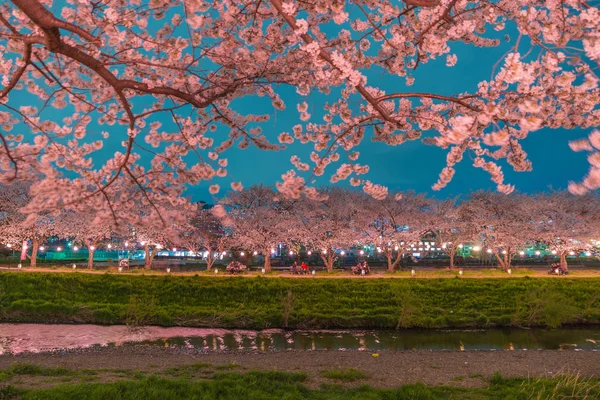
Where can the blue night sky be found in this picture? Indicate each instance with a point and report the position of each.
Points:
(412, 165)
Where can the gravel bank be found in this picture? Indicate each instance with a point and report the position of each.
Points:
(388, 369)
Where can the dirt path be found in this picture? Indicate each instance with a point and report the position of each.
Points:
(388, 369)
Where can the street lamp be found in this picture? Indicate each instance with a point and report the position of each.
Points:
(476, 248)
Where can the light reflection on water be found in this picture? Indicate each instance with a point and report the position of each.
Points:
(18, 338)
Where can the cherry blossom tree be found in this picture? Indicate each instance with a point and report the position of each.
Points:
(155, 226)
(397, 222)
(86, 231)
(330, 223)
(204, 231)
(163, 76)
(505, 223)
(16, 227)
(566, 223)
(260, 218)
(454, 224)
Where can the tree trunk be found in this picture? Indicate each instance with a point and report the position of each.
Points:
(451, 255)
(501, 262)
(210, 260)
(391, 265)
(90, 258)
(328, 260)
(149, 257)
(397, 260)
(34, 250)
(507, 260)
(267, 264)
(563, 261)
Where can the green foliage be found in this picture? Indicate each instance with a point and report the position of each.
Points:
(345, 375)
(31, 370)
(287, 306)
(410, 311)
(275, 385)
(141, 310)
(233, 302)
(546, 307)
(288, 386)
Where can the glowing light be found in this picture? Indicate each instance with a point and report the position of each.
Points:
(272, 251)
(362, 252)
(324, 251)
(126, 244)
(379, 250)
(75, 248)
(396, 248)
(174, 248)
(460, 246)
(158, 246)
(291, 253)
(42, 248)
(342, 252)
(489, 251)
(571, 253)
(309, 252)
(59, 249)
(476, 248)
(255, 253)
(553, 251)
(537, 253)
(92, 247)
(9, 245)
(522, 253)
(587, 253)
(503, 251)
(242, 253)
(143, 243)
(109, 246)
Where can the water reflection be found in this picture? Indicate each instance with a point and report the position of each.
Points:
(18, 338)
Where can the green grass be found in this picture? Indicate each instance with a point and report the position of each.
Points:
(256, 303)
(292, 386)
(32, 370)
(345, 375)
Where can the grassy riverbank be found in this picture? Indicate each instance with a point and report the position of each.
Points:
(202, 381)
(297, 303)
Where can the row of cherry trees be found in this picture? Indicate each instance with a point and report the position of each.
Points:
(343, 218)
(258, 219)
